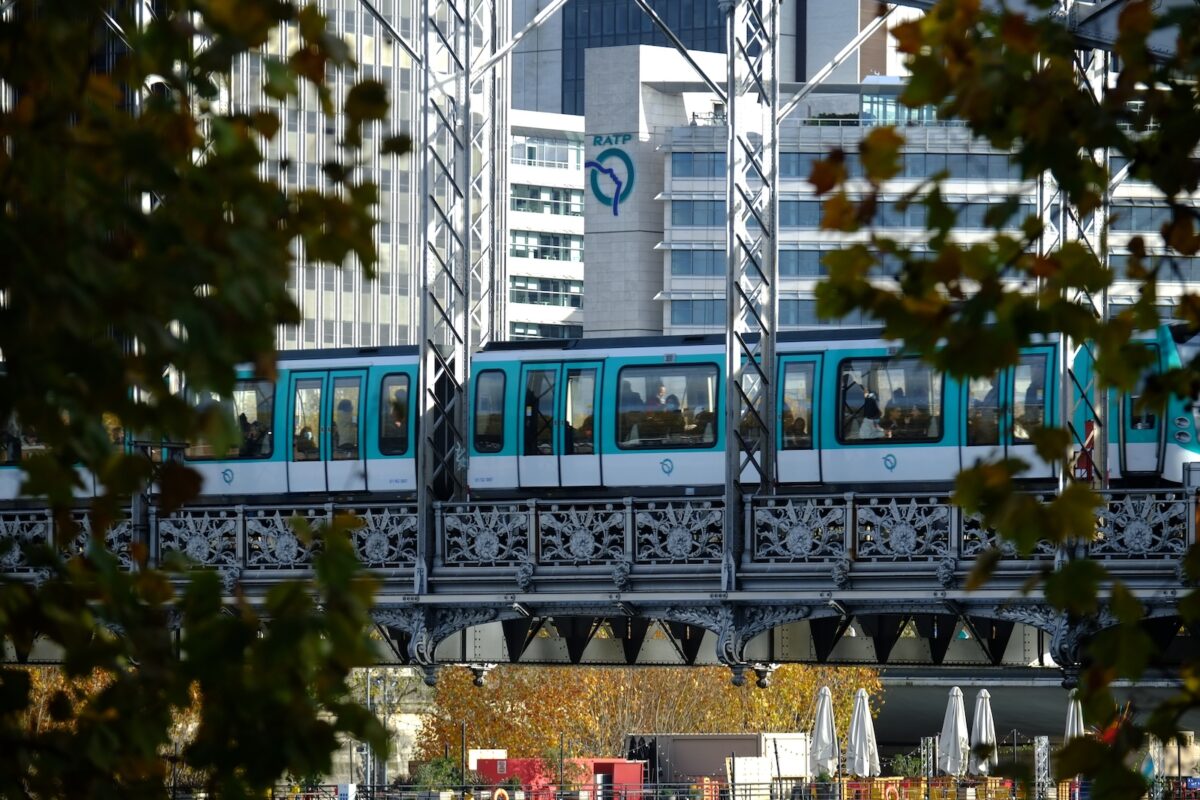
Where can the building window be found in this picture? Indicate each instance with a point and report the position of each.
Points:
(541, 330)
(697, 165)
(546, 291)
(540, 151)
(697, 263)
(547, 200)
(698, 213)
(698, 312)
(545, 246)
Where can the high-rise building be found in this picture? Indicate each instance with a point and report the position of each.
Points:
(338, 306)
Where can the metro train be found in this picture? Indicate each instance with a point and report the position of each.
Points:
(610, 416)
(853, 411)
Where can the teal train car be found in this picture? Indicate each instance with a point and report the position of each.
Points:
(854, 411)
(332, 423)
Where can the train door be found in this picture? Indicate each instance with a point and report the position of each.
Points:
(346, 469)
(579, 464)
(1030, 409)
(1141, 433)
(537, 464)
(798, 447)
(580, 461)
(985, 406)
(326, 448)
(306, 409)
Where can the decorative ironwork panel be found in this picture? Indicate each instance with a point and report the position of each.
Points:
(1137, 525)
(679, 531)
(978, 539)
(493, 534)
(903, 528)
(800, 529)
(387, 538)
(272, 543)
(117, 539)
(581, 534)
(19, 530)
(207, 537)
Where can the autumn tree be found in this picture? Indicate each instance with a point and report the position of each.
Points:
(525, 710)
(141, 244)
(1013, 78)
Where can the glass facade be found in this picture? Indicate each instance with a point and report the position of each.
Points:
(545, 291)
(611, 23)
(338, 307)
(542, 330)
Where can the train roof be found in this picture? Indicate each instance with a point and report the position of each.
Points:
(347, 352)
(698, 339)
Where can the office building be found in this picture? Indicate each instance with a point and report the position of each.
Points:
(340, 308)
(659, 265)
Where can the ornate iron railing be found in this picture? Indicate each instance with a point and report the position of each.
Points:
(615, 537)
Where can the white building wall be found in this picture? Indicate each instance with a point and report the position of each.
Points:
(526, 318)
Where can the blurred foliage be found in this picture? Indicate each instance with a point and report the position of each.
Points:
(525, 710)
(142, 245)
(1015, 79)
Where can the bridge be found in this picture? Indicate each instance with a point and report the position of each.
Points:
(748, 579)
(816, 578)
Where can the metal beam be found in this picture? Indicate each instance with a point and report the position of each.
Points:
(751, 299)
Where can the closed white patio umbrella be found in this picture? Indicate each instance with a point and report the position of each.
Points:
(953, 746)
(862, 754)
(823, 747)
(1074, 718)
(983, 735)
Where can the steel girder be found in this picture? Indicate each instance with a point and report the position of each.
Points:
(459, 243)
(752, 208)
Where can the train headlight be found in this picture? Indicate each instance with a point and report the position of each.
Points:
(1182, 422)
(1183, 437)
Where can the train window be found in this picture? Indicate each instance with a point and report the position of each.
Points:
(539, 412)
(581, 428)
(667, 406)
(252, 407)
(1029, 397)
(889, 398)
(21, 442)
(346, 392)
(489, 411)
(796, 414)
(393, 422)
(983, 411)
(306, 421)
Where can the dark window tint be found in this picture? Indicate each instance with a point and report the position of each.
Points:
(252, 409)
(539, 412)
(393, 410)
(796, 413)
(489, 411)
(889, 398)
(306, 421)
(983, 411)
(667, 406)
(1029, 397)
(346, 396)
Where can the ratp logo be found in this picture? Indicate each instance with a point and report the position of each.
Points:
(612, 170)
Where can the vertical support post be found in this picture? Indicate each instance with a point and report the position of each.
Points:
(751, 246)
(489, 184)
(458, 245)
